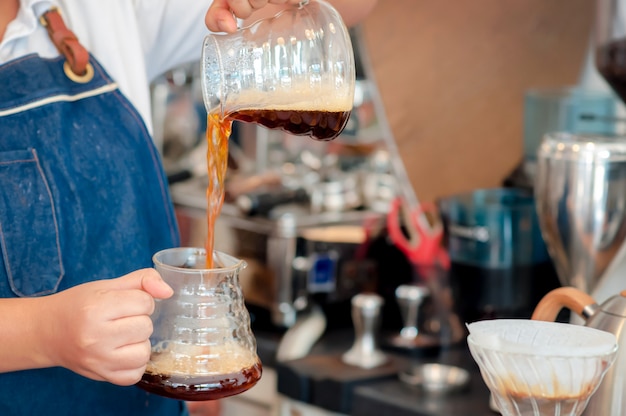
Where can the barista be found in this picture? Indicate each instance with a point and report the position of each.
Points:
(83, 195)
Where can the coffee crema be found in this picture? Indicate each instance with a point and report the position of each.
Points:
(200, 388)
(193, 372)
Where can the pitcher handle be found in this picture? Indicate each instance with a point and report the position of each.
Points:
(564, 297)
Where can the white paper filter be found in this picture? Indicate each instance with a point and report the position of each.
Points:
(521, 360)
(525, 336)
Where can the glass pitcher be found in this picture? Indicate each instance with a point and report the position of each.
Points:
(202, 344)
(293, 72)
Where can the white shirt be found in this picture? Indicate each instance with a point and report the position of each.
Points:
(135, 40)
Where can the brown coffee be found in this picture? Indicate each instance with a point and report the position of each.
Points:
(525, 405)
(321, 125)
(200, 388)
(217, 135)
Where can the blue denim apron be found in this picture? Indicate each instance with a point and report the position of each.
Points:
(82, 197)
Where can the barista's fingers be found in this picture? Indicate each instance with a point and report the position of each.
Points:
(241, 8)
(222, 14)
(124, 366)
(258, 4)
(126, 377)
(219, 17)
(120, 304)
(131, 356)
(130, 363)
(91, 375)
(148, 280)
(129, 331)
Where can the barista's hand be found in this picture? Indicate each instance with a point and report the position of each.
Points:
(101, 329)
(222, 13)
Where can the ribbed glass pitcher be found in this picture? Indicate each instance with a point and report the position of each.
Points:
(202, 344)
(293, 72)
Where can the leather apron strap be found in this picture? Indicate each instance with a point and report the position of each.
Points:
(77, 65)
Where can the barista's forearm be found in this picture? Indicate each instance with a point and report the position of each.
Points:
(22, 329)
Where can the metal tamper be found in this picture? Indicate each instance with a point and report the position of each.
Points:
(366, 318)
(410, 299)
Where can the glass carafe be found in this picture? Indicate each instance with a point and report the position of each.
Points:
(202, 344)
(293, 72)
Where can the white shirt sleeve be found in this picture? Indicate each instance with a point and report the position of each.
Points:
(171, 32)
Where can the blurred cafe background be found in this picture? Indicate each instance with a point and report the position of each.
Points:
(353, 315)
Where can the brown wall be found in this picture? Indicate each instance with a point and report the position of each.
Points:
(452, 75)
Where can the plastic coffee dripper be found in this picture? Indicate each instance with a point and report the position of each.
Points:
(535, 368)
(202, 344)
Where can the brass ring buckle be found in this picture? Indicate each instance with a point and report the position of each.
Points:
(81, 79)
(42, 18)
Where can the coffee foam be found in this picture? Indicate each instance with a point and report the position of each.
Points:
(200, 360)
(294, 98)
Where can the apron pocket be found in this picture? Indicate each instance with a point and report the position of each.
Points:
(29, 232)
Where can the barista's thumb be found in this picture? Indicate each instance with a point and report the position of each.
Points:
(148, 280)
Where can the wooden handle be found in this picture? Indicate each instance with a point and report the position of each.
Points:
(564, 297)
